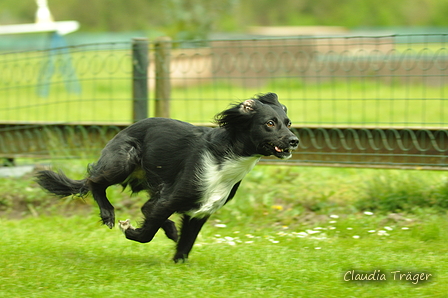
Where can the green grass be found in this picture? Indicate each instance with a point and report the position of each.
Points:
(289, 232)
(75, 256)
(398, 192)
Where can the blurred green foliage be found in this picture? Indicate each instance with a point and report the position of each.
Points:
(187, 19)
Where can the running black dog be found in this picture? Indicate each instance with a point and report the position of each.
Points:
(186, 169)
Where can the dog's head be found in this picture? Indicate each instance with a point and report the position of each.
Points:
(262, 125)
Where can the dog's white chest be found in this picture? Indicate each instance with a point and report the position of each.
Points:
(218, 180)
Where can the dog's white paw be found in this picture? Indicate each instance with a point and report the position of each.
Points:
(125, 224)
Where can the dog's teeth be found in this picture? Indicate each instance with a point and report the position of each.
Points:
(278, 149)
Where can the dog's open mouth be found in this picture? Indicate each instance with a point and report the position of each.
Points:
(280, 152)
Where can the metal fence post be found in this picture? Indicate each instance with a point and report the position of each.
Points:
(140, 63)
(163, 82)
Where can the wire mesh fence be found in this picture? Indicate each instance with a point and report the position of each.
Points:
(89, 83)
(354, 101)
(374, 81)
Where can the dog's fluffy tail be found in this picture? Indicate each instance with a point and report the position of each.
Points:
(61, 185)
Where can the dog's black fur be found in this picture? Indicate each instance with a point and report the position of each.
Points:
(186, 169)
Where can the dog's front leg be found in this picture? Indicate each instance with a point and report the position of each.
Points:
(124, 225)
(143, 235)
(155, 218)
(188, 234)
(170, 230)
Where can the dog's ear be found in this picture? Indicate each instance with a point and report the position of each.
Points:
(238, 116)
(271, 99)
(268, 98)
(247, 106)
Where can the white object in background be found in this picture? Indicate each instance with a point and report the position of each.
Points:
(44, 23)
(43, 14)
(62, 28)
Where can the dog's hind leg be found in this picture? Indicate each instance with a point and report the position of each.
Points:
(107, 212)
(116, 163)
(188, 234)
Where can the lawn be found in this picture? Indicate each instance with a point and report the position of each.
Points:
(76, 257)
(289, 232)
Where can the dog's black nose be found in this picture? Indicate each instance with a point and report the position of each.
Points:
(293, 141)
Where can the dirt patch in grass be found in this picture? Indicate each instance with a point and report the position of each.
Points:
(22, 197)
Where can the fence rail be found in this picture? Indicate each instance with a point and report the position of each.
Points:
(355, 101)
(320, 146)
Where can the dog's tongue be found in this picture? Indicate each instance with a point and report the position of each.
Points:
(278, 149)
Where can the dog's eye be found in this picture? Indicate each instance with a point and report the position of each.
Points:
(288, 125)
(270, 123)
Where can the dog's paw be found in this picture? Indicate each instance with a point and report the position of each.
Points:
(108, 217)
(125, 225)
(109, 223)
